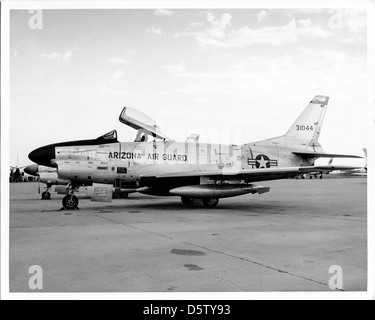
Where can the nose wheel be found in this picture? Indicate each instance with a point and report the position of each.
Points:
(46, 195)
(70, 202)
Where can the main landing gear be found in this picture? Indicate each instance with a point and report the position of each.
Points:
(208, 203)
(70, 201)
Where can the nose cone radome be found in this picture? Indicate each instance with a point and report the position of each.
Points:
(32, 169)
(43, 155)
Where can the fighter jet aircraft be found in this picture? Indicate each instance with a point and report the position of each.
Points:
(156, 165)
(355, 172)
(46, 175)
(17, 173)
(49, 177)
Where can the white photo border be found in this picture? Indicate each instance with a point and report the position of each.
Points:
(7, 6)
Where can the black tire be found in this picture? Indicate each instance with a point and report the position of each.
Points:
(210, 203)
(70, 202)
(124, 195)
(46, 195)
(187, 201)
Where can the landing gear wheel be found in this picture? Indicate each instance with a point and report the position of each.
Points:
(187, 201)
(70, 202)
(46, 195)
(210, 203)
(124, 195)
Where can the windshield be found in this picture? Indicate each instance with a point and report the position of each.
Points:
(109, 137)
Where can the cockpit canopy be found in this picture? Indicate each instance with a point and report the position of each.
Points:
(145, 125)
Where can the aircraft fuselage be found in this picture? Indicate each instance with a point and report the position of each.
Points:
(127, 162)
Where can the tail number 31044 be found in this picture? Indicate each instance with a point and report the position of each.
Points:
(304, 128)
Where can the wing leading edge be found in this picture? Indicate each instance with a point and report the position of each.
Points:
(251, 175)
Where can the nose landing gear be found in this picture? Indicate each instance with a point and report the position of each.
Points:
(70, 201)
(46, 195)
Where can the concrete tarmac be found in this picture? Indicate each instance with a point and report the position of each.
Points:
(284, 240)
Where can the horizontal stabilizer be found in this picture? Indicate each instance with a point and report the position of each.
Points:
(327, 168)
(323, 155)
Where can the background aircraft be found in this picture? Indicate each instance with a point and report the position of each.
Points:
(49, 176)
(46, 175)
(17, 173)
(317, 173)
(156, 165)
(354, 172)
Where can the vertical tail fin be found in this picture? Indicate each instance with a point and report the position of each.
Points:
(304, 134)
(305, 131)
(365, 152)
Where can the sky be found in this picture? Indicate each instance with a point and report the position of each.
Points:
(231, 75)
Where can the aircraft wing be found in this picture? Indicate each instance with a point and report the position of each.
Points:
(250, 175)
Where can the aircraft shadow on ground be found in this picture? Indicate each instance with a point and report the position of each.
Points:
(245, 208)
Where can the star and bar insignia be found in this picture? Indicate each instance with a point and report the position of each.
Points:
(262, 161)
